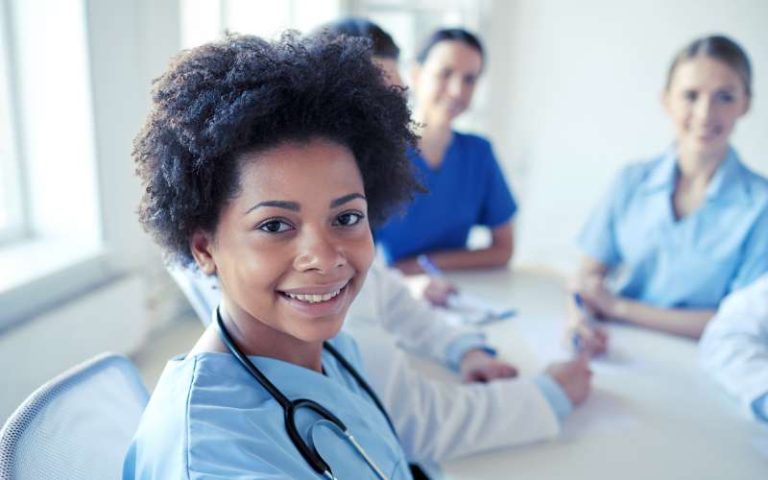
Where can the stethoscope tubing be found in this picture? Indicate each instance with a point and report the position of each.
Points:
(311, 456)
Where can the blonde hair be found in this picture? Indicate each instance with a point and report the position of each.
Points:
(718, 47)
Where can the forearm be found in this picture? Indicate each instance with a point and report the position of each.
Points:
(439, 421)
(470, 418)
(685, 322)
(493, 256)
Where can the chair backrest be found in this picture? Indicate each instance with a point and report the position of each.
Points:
(77, 426)
(201, 290)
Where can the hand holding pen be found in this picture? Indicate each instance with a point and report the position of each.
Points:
(473, 310)
(586, 336)
(439, 290)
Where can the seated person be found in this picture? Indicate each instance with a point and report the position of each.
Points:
(464, 181)
(430, 416)
(248, 174)
(503, 412)
(689, 226)
(734, 347)
(424, 331)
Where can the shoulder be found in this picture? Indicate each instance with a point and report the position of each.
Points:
(743, 311)
(637, 172)
(754, 294)
(755, 183)
(472, 142)
(161, 440)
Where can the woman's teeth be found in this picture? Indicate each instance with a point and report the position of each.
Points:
(314, 298)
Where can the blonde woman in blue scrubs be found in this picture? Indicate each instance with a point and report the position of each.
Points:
(688, 227)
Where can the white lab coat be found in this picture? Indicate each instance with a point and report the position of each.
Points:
(415, 325)
(437, 421)
(734, 346)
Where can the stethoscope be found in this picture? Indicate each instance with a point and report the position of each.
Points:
(309, 452)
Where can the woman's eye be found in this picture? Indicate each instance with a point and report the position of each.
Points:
(725, 97)
(274, 226)
(691, 95)
(348, 219)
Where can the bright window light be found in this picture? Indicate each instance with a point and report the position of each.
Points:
(206, 20)
(12, 221)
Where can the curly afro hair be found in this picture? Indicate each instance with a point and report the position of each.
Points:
(243, 95)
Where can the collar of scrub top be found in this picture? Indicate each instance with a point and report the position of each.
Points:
(308, 451)
(727, 185)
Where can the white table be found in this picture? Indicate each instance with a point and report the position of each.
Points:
(652, 413)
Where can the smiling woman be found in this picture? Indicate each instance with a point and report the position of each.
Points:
(264, 163)
(292, 249)
(465, 184)
(689, 226)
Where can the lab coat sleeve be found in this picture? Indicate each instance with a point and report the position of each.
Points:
(417, 327)
(734, 346)
(440, 421)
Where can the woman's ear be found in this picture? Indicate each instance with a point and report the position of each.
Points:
(201, 246)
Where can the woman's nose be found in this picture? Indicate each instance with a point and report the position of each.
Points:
(318, 251)
(704, 108)
(455, 87)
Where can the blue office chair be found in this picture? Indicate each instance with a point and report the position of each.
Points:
(77, 426)
(201, 290)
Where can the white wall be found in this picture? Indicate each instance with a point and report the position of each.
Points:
(578, 97)
(109, 318)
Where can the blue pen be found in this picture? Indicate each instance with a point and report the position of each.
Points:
(578, 343)
(434, 271)
(428, 266)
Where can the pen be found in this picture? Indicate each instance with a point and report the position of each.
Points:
(428, 266)
(578, 343)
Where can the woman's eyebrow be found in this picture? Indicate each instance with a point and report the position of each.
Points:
(346, 198)
(276, 203)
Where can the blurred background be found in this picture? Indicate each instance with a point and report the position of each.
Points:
(571, 92)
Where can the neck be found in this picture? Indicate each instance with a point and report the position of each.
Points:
(433, 142)
(431, 126)
(256, 338)
(697, 166)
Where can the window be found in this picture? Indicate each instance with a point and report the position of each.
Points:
(12, 218)
(51, 244)
(206, 20)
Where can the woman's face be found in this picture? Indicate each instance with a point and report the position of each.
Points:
(443, 85)
(291, 251)
(705, 98)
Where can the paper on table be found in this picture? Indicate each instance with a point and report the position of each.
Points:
(474, 310)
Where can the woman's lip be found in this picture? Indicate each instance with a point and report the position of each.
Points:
(316, 290)
(319, 309)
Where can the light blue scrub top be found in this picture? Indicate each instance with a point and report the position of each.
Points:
(467, 189)
(208, 418)
(692, 262)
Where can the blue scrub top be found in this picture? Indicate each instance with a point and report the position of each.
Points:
(208, 418)
(692, 262)
(467, 189)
